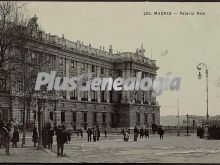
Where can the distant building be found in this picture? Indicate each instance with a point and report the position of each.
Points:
(107, 109)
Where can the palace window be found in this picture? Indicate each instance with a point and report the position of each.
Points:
(102, 96)
(85, 117)
(138, 117)
(63, 119)
(102, 70)
(74, 117)
(95, 117)
(72, 64)
(21, 115)
(19, 86)
(93, 69)
(146, 116)
(153, 118)
(103, 117)
(51, 115)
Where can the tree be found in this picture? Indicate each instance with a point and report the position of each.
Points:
(20, 58)
(12, 29)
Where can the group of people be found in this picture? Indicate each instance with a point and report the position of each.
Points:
(95, 133)
(140, 132)
(62, 136)
(8, 133)
(214, 132)
(200, 132)
(79, 131)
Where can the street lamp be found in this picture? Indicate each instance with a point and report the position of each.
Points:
(178, 116)
(199, 67)
(187, 125)
(40, 102)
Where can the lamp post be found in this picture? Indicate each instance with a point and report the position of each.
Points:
(187, 125)
(199, 67)
(178, 116)
(41, 106)
(55, 112)
(40, 123)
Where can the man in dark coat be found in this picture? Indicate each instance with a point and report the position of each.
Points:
(98, 134)
(61, 140)
(136, 131)
(89, 134)
(50, 138)
(141, 133)
(146, 133)
(35, 136)
(161, 132)
(105, 132)
(15, 137)
(45, 137)
(94, 132)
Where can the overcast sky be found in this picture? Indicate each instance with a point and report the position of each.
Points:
(188, 40)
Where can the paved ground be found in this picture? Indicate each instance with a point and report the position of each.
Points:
(183, 149)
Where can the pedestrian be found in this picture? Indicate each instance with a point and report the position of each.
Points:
(105, 132)
(1, 133)
(69, 136)
(35, 136)
(50, 138)
(126, 136)
(77, 133)
(161, 132)
(98, 134)
(61, 140)
(15, 137)
(135, 133)
(146, 133)
(7, 138)
(94, 132)
(123, 133)
(45, 137)
(141, 133)
(89, 134)
(81, 133)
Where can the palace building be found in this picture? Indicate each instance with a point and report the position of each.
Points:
(83, 109)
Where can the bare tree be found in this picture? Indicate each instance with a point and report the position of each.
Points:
(12, 29)
(19, 55)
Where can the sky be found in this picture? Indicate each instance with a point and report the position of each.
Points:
(178, 43)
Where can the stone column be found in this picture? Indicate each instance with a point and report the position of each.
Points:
(89, 92)
(78, 92)
(67, 68)
(123, 92)
(127, 93)
(98, 92)
(107, 95)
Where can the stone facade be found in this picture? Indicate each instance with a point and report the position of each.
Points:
(79, 109)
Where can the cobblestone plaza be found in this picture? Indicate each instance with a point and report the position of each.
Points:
(172, 149)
